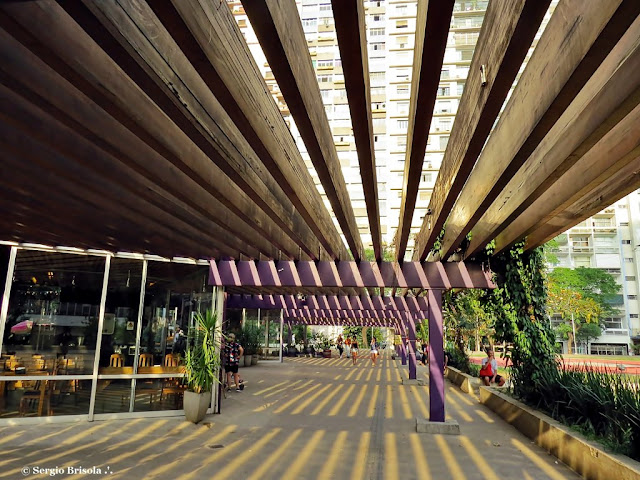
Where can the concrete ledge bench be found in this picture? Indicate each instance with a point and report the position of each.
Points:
(466, 382)
(587, 458)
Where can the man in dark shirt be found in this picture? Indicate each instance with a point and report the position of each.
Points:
(232, 353)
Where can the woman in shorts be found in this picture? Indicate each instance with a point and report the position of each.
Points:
(374, 351)
(354, 350)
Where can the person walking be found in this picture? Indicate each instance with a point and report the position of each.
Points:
(179, 342)
(425, 353)
(354, 350)
(374, 351)
(340, 345)
(347, 344)
(232, 353)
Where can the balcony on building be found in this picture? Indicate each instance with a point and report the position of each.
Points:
(467, 7)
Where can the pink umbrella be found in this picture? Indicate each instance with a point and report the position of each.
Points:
(22, 328)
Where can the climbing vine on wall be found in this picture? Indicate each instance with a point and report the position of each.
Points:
(519, 307)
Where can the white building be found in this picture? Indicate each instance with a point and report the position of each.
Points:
(610, 240)
(390, 34)
(600, 242)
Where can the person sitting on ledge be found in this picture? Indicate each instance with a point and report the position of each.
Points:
(489, 370)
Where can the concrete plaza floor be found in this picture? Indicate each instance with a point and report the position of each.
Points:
(302, 419)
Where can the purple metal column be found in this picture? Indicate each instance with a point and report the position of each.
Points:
(403, 346)
(436, 357)
(281, 329)
(411, 324)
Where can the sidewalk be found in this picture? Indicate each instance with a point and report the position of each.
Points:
(303, 419)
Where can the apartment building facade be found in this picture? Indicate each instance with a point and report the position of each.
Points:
(390, 33)
(610, 240)
(607, 240)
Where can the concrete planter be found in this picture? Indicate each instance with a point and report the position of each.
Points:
(196, 405)
(254, 359)
(247, 360)
(466, 382)
(585, 457)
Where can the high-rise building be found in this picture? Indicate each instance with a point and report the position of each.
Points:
(609, 240)
(390, 33)
(391, 28)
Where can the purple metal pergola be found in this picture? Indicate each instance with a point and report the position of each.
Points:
(277, 280)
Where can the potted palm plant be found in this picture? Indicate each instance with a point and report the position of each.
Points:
(202, 360)
(323, 343)
(252, 336)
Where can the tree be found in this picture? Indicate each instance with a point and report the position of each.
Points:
(466, 316)
(422, 331)
(573, 307)
(350, 332)
(582, 295)
(588, 331)
(550, 248)
(592, 283)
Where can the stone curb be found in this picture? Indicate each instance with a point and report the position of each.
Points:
(467, 383)
(585, 457)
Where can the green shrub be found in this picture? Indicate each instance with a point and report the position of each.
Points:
(251, 336)
(601, 404)
(459, 359)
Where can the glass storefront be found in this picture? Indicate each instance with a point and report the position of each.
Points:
(70, 346)
(52, 319)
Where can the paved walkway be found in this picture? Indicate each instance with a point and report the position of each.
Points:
(303, 419)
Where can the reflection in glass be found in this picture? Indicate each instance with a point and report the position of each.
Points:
(174, 293)
(121, 314)
(113, 396)
(52, 320)
(43, 397)
(159, 394)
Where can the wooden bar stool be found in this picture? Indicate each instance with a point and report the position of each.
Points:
(116, 360)
(170, 360)
(145, 360)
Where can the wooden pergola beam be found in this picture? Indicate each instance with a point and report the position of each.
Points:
(148, 54)
(80, 199)
(329, 302)
(345, 274)
(506, 35)
(38, 220)
(213, 43)
(279, 30)
(94, 166)
(24, 73)
(432, 29)
(616, 150)
(352, 40)
(608, 97)
(575, 42)
(68, 49)
(618, 186)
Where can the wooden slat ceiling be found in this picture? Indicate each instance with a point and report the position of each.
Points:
(146, 126)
